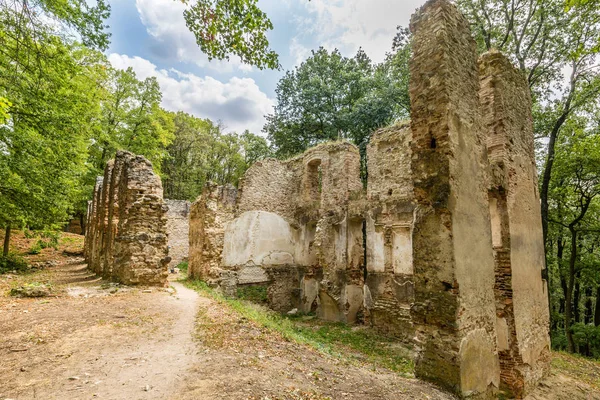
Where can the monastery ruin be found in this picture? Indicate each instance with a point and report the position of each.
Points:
(450, 218)
(126, 236)
(441, 249)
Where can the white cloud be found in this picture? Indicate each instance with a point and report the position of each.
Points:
(298, 51)
(164, 22)
(238, 103)
(350, 24)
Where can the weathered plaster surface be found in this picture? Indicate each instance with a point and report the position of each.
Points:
(521, 297)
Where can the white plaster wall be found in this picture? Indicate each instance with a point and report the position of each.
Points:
(258, 238)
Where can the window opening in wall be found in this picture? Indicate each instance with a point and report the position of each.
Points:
(314, 180)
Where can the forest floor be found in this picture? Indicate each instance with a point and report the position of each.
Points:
(91, 339)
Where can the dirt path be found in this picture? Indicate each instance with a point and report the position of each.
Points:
(126, 345)
(145, 365)
(94, 340)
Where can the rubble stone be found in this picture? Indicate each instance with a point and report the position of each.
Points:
(126, 238)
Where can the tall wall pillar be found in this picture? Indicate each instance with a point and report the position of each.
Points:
(521, 297)
(454, 310)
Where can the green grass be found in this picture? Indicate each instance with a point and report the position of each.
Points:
(354, 344)
(183, 267)
(12, 262)
(578, 367)
(257, 293)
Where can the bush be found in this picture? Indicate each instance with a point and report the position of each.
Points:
(12, 262)
(36, 248)
(183, 266)
(587, 339)
(255, 293)
(49, 239)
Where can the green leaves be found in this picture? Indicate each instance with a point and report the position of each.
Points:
(331, 97)
(4, 106)
(201, 152)
(232, 27)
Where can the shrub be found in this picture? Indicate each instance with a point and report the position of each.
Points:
(12, 262)
(183, 266)
(36, 248)
(255, 293)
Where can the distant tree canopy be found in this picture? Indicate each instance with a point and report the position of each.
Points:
(64, 112)
(201, 152)
(331, 97)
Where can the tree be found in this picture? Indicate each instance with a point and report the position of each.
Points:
(574, 211)
(545, 39)
(186, 165)
(202, 153)
(132, 120)
(331, 97)
(43, 144)
(47, 105)
(237, 27)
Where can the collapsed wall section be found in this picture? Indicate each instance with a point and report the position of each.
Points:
(454, 309)
(178, 212)
(126, 238)
(389, 290)
(521, 298)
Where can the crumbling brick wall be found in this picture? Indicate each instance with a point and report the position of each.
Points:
(209, 215)
(126, 238)
(454, 310)
(454, 250)
(389, 290)
(312, 258)
(178, 216)
(521, 298)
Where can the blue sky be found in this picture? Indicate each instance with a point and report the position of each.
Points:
(151, 37)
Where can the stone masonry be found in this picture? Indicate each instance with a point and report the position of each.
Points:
(178, 227)
(521, 297)
(389, 290)
(294, 230)
(454, 310)
(443, 248)
(208, 216)
(126, 237)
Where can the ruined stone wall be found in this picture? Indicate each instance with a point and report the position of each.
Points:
(521, 297)
(297, 232)
(454, 249)
(208, 218)
(454, 310)
(389, 290)
(178, 230)
(126, 238)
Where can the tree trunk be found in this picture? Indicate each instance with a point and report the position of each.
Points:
(563, 283)
(6, 240)
(82, 222)
(576, 300)
(588, 316)
(597, 310)
(569, 295)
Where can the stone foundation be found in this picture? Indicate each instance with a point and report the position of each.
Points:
(126, 238)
